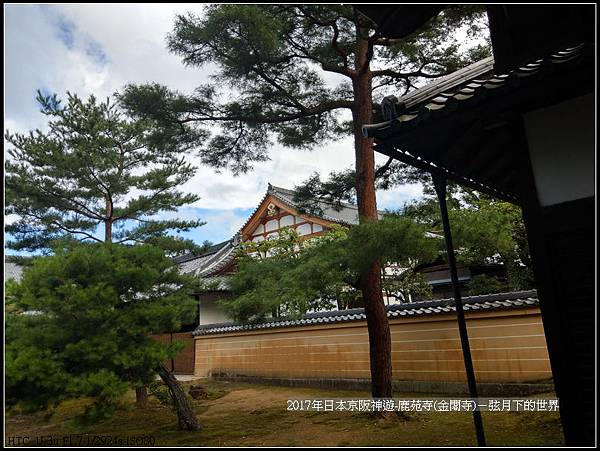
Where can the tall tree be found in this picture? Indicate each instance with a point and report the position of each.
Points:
(289, 275)
(95, 168)
(485, 230)
(272, 62)
(80, 324)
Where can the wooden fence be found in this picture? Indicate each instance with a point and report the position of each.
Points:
(184, 362)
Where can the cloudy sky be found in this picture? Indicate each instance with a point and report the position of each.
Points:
(97, 49)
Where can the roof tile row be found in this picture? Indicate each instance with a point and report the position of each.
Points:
(501, 301)
(444, 97)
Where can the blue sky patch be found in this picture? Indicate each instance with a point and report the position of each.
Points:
(65, 29)
(95, 51)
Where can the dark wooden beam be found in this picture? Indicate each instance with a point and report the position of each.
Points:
(388, 149)
(398, 21)
(522, 33)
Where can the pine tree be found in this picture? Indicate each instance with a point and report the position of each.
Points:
(95, 168)
(289, 275)
(272, 61)
(80, 324)
(485, 230)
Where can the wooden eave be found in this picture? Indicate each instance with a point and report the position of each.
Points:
(474, 134)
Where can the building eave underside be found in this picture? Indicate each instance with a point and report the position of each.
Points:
(468, 127)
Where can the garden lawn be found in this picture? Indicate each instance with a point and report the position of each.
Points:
(238, 414)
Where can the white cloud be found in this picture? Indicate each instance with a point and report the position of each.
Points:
(10, 219)
(397, 197)
(88, 49)
(97, 49)
(226, 220)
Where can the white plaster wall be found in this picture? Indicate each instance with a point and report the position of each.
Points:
(271, 225)
(210, 313)
(562, 148)
(259, 229)
(286, 221)
(303, 229)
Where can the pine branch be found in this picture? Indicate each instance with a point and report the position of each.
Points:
(85, 212)
(64, 228)
(258, 119)
(406, 75)
(326, 66)
(382, 169)
(336, 33)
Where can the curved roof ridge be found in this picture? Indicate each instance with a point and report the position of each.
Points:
(220, 259)
(254, 211)
(342, 203)
(334, 206)
(282, 194)
(191, 256)
(211, 262)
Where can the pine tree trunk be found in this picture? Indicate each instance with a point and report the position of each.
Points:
(380, 345)
(108, 222)
(141, 396)
(108, 231)
(185, 414)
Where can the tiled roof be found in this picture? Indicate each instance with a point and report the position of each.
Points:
(210, 262)
(466, 87)
(218, 256)
(190, 256)
(501, 301)
(468, 128)
(345, 213)
(451, 81)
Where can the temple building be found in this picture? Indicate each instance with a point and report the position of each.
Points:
(278, 210)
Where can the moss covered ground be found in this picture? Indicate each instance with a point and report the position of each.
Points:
(238, 414)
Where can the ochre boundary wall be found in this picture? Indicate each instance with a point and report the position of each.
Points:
(506, 345)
